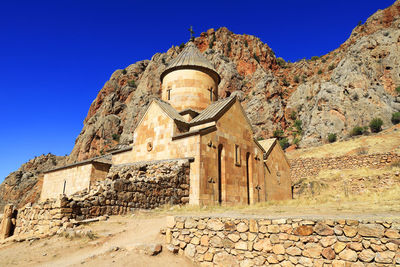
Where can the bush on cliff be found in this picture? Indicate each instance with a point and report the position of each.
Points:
(332, 137)
(376, 125)
(396, 118)
(284, 143)
(357, 130)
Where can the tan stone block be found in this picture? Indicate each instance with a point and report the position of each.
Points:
(253, 226)
(350, 231)
(348, 255)
(339, 246)
(204, 240)
(278, 249)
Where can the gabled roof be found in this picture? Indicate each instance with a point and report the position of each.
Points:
(105, 159)
(190, 58)
(213, 111)
(268, 144)
(170, 111)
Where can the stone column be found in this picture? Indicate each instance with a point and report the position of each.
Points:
(7, 223)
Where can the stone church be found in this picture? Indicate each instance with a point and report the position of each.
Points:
(227, 164)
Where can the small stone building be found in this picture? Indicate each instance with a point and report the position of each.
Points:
(227, 165)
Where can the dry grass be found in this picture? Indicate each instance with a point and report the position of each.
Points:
(385, 202)
(388, 140)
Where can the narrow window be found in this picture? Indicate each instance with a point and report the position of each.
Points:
(169, 94)
(237, 155)
(65, 183)
(211, 94)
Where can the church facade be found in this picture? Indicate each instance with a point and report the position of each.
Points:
(227, 164)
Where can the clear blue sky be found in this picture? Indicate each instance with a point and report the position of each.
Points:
(56, 55)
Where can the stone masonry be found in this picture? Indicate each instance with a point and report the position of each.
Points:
(127, 187)
(308, 167)
(224, 241)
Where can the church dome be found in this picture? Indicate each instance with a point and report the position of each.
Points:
(191, 58)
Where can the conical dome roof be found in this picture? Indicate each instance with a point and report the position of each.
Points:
(191, 58)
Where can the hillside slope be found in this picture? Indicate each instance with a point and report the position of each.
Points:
(330, 94)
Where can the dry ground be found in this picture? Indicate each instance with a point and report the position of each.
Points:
(385, 141)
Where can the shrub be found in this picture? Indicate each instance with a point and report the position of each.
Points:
(357, 130)
(398, 89)
(285, 82)
(211, 44)
(284, 143)
(246, 44)
(332, 137)
(331, 67)
(314, 58)
(278, 133)
(296, 79)
(376, 125)
(256, 58)
(323, 60)
(298, 124)
(115, 137)
(296, 141)
(304, 78)
(182, 45)
(132, 83)
(319, 72)
(260, 138)
(229, 47)
(396, 118)
(281, 62)
(124, 71)
(293, 115)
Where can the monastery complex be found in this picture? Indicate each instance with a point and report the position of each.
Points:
(226, 163)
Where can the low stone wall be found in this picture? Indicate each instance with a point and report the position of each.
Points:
(136, 186)
(43, 218)
(222, 241)
(308, 167)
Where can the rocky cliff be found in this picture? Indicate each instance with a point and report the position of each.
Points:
(307, 99)
(328, 94)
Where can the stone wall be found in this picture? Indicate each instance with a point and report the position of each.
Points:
(43, 218)
(136, 186)
(284, 242)
(307, 167)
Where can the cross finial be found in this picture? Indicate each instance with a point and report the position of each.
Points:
(191, 33)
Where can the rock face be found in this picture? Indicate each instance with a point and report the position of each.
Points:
(331, 94)
(24, 185)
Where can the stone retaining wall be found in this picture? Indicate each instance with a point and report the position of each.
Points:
(127, 187)
(308, 167)
(220, 241)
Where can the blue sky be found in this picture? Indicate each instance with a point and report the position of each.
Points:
(56, 55)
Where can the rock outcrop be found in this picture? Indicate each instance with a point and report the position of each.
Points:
(329, 94)
(24, 185)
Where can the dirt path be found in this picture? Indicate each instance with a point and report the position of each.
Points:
(111, 248)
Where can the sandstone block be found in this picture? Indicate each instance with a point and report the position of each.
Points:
(339, 246)
(384, 257)
(303, 230)
(293, 251)
(391, 233)
(278, 249)
(241, 245)
(366, 255)
(371, 230)
(225, 259)
(350, 231)
(328, 241)
(234, 237)
(348, 255)
(323, 229)
(328, 253)
(253, 226)
(215, 225)
(242, 227)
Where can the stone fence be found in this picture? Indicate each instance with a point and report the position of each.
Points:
(308, 167)
(127, 187)
(221, 241)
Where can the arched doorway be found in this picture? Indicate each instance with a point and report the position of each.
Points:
(248, 175)
(221, 171)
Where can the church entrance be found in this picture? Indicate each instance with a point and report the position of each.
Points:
(248, 175)
(221, 171)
